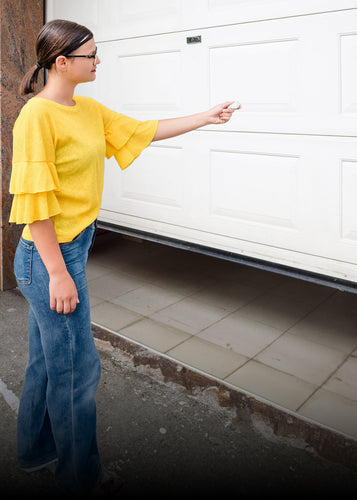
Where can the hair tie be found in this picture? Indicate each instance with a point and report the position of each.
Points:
(39, 66)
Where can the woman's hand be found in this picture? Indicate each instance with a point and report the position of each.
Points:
(172, 127)
(63, 293)
(220, 114)
(62, 290)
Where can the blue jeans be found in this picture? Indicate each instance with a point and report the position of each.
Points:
(57, 413)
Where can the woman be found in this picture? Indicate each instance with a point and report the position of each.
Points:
(60, 141)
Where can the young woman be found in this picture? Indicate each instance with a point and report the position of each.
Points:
(60, 141)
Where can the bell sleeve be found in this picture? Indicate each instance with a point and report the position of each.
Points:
(126, 137)
(34, 180)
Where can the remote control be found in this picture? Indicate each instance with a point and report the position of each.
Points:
(234, 105)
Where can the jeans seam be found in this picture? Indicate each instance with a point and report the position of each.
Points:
(28, 281)
(72, 395)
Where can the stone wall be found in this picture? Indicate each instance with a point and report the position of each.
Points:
(21, 20)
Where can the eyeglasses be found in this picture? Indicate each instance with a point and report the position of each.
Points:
(93, 56)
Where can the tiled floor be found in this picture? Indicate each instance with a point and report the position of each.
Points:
(289, 341)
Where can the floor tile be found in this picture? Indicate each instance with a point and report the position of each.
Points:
(286, 390)
(227, 295)
(94, 301)
(241, 334)
(184, 283)
(113, 316)
(110, 286)
(344, 380)
(189, 315)
(207, 357)
(148, 299)
(333, 410)
(156, 336)
(307, 360)
(145, 268)
(276, 311)
(95, 270)
(322, 328)
(330, 325)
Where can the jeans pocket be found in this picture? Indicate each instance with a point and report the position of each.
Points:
(23, 263)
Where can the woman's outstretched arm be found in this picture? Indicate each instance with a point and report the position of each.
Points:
(176, 126)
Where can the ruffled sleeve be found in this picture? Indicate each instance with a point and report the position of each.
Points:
(34, 180)
(34, 185)
(126, 137)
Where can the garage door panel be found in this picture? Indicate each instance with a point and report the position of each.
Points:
(145, 79)
(216, 12)
(246, 186)
(288, 78)
(153, 189)
(268, 86)
(140, 184)
(298, 194)
(161, 72)
(348, 200)
(80, 11)
(348, 74)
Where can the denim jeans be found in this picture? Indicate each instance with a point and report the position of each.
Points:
(57, 413)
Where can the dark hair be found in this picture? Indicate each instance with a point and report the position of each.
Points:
(56, 38)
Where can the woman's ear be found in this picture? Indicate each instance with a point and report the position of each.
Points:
(61, 63)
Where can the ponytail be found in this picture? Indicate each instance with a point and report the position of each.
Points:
(29, 81)
(57, 37)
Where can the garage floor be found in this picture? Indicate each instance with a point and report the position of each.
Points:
(288, 341)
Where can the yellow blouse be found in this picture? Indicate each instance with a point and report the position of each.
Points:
(58, 160)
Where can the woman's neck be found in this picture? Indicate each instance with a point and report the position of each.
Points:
(60, 92)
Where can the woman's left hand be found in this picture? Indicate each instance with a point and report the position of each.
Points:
(220, 113)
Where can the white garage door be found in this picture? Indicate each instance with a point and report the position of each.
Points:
(278, 183)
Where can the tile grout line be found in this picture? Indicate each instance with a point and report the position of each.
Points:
(324, 382)
(252, 358)
(233, 312)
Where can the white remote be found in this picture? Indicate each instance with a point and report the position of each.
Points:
(234, 105)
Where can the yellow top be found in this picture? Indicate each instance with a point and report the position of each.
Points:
(58, 160)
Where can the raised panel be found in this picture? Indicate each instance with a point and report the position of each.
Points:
(152, 188)
(348, 198)
(138, 12)
(270, 85)
(292, 75)
(80, 11)
(348, 74)
(157, 178)
(150, 80)
(260, 188)
(143, 78)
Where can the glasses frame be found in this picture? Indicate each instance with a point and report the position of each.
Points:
(93, 56)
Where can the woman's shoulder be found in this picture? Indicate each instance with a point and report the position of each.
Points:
(33, 108)
(35, 103)
(88, 101)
